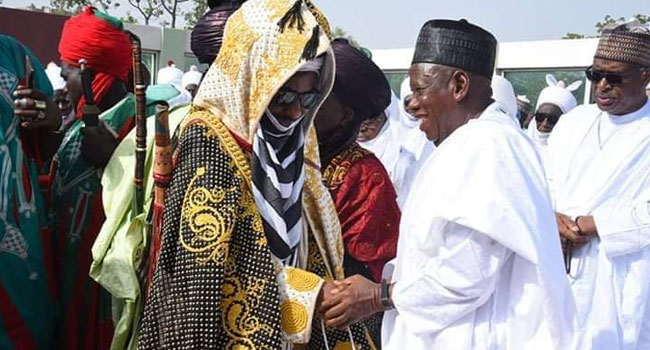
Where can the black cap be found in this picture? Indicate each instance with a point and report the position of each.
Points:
(457, 44)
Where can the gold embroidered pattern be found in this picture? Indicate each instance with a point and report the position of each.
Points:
(337, 169)
(238, 46)
(211, 228)
(343, 345)
(293, 317)
(237, 306)
(302, 281)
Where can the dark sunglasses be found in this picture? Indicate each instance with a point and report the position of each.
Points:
(286, 97)
(552, 119)
(612, 78)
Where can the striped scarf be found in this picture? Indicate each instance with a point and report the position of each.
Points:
(278, 178)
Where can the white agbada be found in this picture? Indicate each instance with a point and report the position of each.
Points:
(479, 263)
(600, 166)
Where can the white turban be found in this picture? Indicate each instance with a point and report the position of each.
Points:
(558, 94)
(503, 93)
(192, 76)
(170, 75)
(53, 72)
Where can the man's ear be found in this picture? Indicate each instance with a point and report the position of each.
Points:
(646, 76)
(460, 85)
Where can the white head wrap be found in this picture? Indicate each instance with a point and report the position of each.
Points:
(312, 66)
(53, 72)
(170, 75)
(192, 76)
(503, 93)
(557, 93)
(647, 87)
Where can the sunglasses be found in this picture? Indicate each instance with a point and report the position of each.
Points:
(612, 78)
(285, 98)
(552, 118)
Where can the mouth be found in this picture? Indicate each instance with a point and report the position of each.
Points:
(604, 100)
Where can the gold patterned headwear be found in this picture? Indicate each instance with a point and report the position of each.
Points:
(265, 43)
(628, 42)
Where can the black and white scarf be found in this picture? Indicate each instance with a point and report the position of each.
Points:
(278, 178)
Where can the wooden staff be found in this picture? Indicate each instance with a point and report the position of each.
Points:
(90, 110)
(140, 124)
(162, 173)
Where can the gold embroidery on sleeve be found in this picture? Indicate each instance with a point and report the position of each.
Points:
(302, 281)
(293, 317)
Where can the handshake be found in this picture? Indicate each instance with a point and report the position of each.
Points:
(342, 303)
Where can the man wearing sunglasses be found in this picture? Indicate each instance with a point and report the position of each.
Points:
(599, 166)
(554, 101)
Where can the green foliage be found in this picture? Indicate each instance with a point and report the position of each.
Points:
(338, 32)
(573, 36)
(129, 19)
(608, 20)
(173, 9)
(148, 9)
(199, 9)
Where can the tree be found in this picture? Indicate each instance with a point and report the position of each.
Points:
(338, 32)
(573, 36)
(148, 9)
(129, 19)
(608, 20)
(68, 7)
(172, 7)
(193, 16)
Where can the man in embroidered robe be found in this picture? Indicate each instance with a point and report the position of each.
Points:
(250, 234)
(28, 120)
(363, 194)
(599, 166)
(477, 265)
(76, 191)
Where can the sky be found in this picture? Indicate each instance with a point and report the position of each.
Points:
(379, 24)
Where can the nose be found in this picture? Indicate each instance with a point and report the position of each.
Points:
(413, 105)
(294, 111)
(603, 84)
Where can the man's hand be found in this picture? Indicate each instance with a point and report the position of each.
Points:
(570, 231)
(35, 110)
(97, 145)
(354, 299)
(587, 225)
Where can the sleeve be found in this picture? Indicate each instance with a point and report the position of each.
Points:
(458, 280)
(623, 230)
(298, 290)
(369, 215)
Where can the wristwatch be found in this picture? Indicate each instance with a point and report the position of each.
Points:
(384, 297)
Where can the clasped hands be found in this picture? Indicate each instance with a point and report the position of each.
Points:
(578, 232)
(342, 303)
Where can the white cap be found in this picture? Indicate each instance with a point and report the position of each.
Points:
(170, 75)
(192, 76)
(557, 93)
(503, 93)
(53, 72)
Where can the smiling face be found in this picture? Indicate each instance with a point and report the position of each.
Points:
(432, 101)
(300, 83)
(623, 98)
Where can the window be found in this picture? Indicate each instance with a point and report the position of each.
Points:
(149, 60)
(395, 79)
(531, 82)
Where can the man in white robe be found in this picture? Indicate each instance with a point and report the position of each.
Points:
(478, 265)
(554, 100)
(599, 174)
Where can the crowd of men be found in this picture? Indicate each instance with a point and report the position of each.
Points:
(309, 207)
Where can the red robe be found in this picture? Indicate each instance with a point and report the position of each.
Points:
(365, 200)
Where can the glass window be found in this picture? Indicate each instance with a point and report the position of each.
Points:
(149, 60)
(531, 82)
(395, 79)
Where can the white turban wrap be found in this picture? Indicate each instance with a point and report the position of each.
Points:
(503, 93)
(192, 76)
(558, 94)
(170, 75)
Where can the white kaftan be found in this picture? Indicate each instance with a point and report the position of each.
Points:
(600, 166)
(479, 262)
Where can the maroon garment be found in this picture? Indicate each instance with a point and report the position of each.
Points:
(366, 203)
